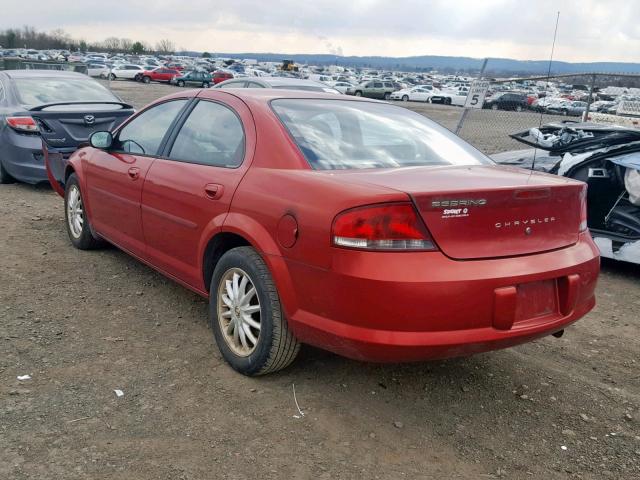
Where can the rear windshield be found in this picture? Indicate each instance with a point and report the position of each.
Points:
(39, 91)
(339, 134)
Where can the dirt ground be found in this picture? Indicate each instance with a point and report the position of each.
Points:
(85, 323)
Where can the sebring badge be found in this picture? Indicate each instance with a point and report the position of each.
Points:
(464, 202)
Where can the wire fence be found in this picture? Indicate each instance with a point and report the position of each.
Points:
(518, 104)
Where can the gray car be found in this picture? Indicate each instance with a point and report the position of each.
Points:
(52, 111)
(277, 82)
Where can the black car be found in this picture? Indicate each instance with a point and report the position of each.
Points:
(51, 110)
(507, 101)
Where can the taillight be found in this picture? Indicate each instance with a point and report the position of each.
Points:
(393, 226)
(23, 124)
(583, 208)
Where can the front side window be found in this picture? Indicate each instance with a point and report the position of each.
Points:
(212, 135)
(143, 135)
(233, 85)
(339, 134)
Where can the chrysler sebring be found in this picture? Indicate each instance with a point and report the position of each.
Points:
(349, 224)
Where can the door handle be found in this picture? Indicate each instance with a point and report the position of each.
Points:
(134, 172)
(213, 191)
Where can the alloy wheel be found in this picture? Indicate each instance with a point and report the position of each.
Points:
(75, 212)
(239, 312)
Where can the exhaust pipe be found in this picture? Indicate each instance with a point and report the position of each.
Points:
(559, 333)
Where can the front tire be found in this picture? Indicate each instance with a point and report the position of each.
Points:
(77, 221)
(146, 79)
(112, 76)
(246, 315)
(494, 107)
(405, 98)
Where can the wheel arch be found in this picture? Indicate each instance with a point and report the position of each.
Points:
(241, 230)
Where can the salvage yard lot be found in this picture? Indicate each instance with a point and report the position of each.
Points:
(85, 323)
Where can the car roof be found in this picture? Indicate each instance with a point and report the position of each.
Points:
(42, 74)
(266, 95)
(283, 81)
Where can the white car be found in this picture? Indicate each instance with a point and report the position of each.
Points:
(127, 71)
(97, 70)
(456, 96)
(341, 86)
(422, 93)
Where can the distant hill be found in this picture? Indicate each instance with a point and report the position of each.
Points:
(444, 63)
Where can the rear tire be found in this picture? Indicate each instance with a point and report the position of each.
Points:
(518, 108)
(4, 175)
(180, 83)
(205, 85)
(358, 93)
(77, 221)
(146, 79)
(112, 76)
(237, 273)
(387, 96)
(494, 107)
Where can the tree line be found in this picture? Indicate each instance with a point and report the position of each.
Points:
(29, 37)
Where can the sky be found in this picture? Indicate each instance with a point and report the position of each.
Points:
(589, 30)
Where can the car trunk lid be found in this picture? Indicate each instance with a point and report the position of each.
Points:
(68, 125)
(488, 211)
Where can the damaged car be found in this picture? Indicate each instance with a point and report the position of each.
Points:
(607, 158)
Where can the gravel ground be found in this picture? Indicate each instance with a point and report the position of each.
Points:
(85, 323)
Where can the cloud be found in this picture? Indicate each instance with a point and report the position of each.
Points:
(590, 30)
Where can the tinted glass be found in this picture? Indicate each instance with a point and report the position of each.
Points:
(144, 133)
(212, 135)
(233, 85)
(338, 134)
(38, 91)
(377, 85)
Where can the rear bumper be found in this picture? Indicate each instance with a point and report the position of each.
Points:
(407, 307)
(21, 156)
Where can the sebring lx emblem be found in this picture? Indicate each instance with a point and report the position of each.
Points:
(89, 119)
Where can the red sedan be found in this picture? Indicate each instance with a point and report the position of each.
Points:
(353, 225)
(160, 74)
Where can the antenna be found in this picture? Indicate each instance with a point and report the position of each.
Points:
(553, 47)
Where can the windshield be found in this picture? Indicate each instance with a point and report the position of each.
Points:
(40, 91)
(339, 134)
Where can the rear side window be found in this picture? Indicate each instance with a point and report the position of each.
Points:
(144, 134)
(212, 135)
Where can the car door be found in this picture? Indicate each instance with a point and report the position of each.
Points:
(378, 90)
(418, 95)
(115, 177)
(187, 192)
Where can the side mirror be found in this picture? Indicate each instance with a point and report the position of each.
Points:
(101, 140)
